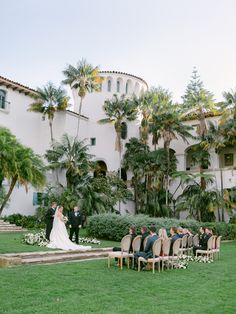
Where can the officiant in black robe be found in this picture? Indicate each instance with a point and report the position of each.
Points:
(75, 222)
(49, 219)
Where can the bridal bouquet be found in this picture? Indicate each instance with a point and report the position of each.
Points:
(65, 219)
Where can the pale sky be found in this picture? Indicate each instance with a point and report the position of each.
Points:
(159, 40)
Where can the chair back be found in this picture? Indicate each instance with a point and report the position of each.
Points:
(184, 241)
(176, 247)
(156, 248)
(136, 243)
(213, 242)
(209, 243)
(190, 241)
(125, 243)
(166, 247)
(145, 241)
(196, 240)
(218, 241)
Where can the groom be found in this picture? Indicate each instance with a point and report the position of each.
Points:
(49, 219)
(75, 221)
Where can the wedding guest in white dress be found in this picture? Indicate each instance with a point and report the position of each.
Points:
(59, 238)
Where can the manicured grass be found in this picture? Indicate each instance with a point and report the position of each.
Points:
(89, 287)
(11, 242)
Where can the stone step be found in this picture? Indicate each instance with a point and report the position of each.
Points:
(50, 257)
(64, 258)
(59, 253)
(5, 226)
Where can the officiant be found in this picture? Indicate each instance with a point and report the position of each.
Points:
(75, 222)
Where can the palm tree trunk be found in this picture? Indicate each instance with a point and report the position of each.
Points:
(13, 183)
(50, 126)
(78, 125)
(167, 147)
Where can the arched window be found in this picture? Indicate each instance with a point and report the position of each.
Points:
(2, 99)
(109, 86)
(127, 87)
(118, 86)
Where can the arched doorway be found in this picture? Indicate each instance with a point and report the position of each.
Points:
(101, 169)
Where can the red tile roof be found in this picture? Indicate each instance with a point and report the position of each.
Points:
(17, 86)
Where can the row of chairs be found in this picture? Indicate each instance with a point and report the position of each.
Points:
(158, 246)
(180, 247)
(213, 248)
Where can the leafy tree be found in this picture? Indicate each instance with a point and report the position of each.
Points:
(72, 156)
(48, 100)
(199, 202)
(25, 168)
(85, 79)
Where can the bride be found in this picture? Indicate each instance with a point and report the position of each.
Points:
(59, 238)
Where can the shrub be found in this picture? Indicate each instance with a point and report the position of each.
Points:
(29, 222)
(114, 227)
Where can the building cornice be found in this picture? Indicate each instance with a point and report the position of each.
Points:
(17, 86)
(123, 73)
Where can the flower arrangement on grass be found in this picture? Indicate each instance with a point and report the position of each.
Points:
(89, 240)
(203, 259)
(38, 238)
(182, 263)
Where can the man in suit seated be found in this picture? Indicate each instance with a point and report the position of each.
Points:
(202, 241)
(75, 222)
(145, 233)
(174, 236)
(147, 253)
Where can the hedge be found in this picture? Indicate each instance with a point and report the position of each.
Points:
(114, 227)
(29, 222)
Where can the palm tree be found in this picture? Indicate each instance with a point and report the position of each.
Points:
(134, 159)
(8, 143)
(72, 156)
(49, 99)
(118, 110)
(200, 203)
(230, 101)
(166, 121)
(85, 78)
(28, 169)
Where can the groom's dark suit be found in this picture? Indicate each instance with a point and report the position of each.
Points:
(49, 221)
(75, 220)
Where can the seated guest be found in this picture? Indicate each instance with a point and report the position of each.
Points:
(147, 253)
(163, 234)
(145, 233)
(132, 232)
(202, 240)
(201, 232)
(187, 231)
(174, 236)
(180, 232)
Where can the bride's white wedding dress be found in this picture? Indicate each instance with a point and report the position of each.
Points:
(59, 238)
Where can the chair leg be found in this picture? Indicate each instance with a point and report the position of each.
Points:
(128, 262)
(121, 263)
(159, 266)
(138, 265)
(153, 267)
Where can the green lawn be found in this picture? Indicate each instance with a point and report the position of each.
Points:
(88, 287)
(11, 242)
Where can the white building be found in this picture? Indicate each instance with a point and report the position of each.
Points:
(33, 132)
